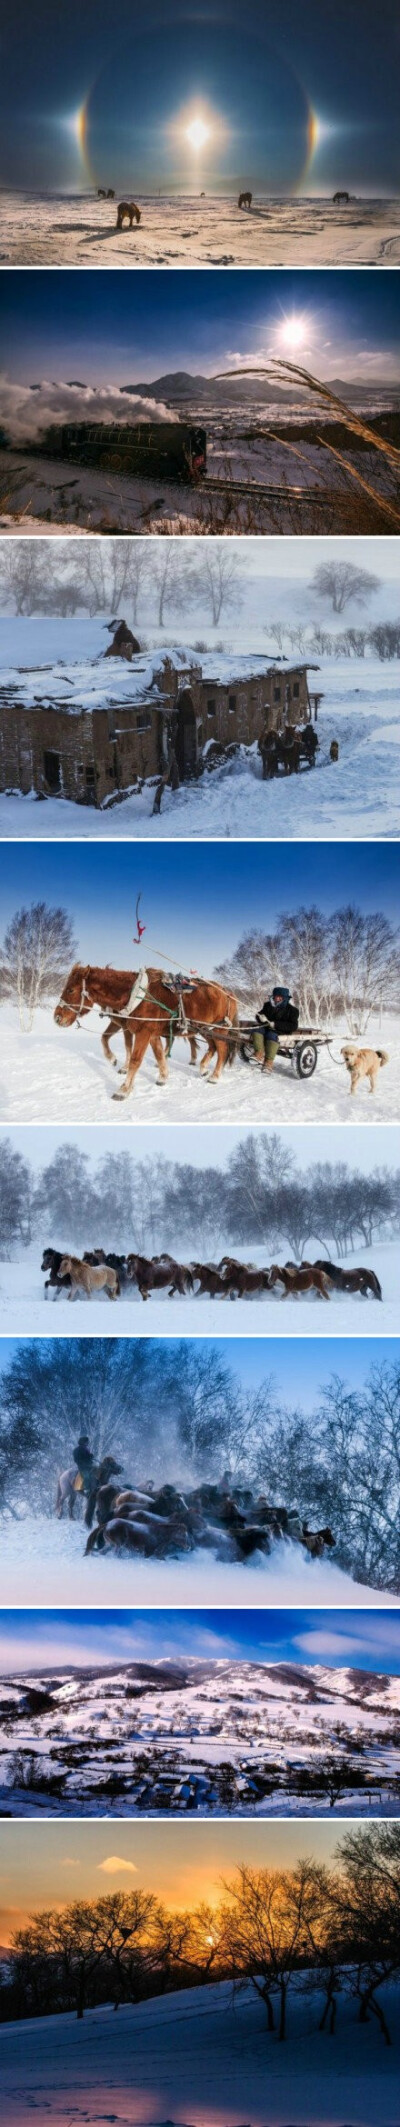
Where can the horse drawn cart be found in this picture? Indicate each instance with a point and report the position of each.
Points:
(300, 1049)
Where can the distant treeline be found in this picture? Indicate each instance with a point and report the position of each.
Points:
(261, 1197)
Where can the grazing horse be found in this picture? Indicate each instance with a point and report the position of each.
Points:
(245, 199)
(303, 1280)
(127, 211)
(160, 1010)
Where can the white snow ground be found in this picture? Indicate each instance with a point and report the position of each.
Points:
(60, 1074)
(204, 2058)
(42, 1560)
(79, 230)
(25, 1309)
(357, 797)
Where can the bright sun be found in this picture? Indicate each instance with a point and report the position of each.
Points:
(197, 133)
(294, 332)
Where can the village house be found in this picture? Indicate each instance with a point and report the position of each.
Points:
(90, 731)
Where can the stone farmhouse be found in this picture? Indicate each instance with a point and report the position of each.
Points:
(90, 731)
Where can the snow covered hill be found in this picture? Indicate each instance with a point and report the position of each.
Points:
(202, 2057)
(187, 1735)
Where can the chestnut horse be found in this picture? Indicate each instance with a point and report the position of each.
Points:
(161, 1012)
(303, 1280)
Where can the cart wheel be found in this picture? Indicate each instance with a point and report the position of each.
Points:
(304, 1059)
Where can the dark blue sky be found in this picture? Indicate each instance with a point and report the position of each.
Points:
(365, 1639)
(197, 900)
(120, 328)
(262, 76)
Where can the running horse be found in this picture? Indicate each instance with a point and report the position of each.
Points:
(149, 1009)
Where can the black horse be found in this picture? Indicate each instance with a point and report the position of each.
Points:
(51, 1260)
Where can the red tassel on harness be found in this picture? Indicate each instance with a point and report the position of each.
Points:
(140, 927)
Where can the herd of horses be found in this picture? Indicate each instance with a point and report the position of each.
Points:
(165, 1522)
(129, 211)
(227, 1280)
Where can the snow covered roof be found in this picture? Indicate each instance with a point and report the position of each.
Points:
(90, 684)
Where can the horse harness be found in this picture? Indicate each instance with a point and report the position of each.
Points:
(178, 1022)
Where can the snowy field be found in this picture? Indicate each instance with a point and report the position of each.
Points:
(60, 1074)
(38, 229)
(42, 1560)
(200, 2057)
(25, 1309)
(155, 1740)
(357, 797)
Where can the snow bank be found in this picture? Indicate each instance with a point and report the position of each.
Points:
(25, 1310)
(43, 1560)
(27, 409)
(201, 2056)
(58, 1075)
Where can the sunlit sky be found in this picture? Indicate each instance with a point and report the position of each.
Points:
(197, 901)
(289, 98)
(43, 1864)
(53, 1639)
(103, 328)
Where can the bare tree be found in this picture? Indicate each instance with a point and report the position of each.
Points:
(366, 965)
(217, 578)
(38, 948)
(169, 579)
(27, 573)
(344, 584)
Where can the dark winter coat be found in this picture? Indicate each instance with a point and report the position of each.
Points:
(284, 1017)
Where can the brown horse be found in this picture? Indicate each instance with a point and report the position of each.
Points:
(151, 1275)
(127, 212)
(302, 1280)
(160, 1011)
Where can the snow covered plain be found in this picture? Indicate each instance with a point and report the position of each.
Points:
(151, 1739)
(38, 229)
(357, 797)
(56, 1074)
(26, 1310)
(202, 2057)
(43, 1560)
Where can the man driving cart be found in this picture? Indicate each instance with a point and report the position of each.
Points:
(277, 1016)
